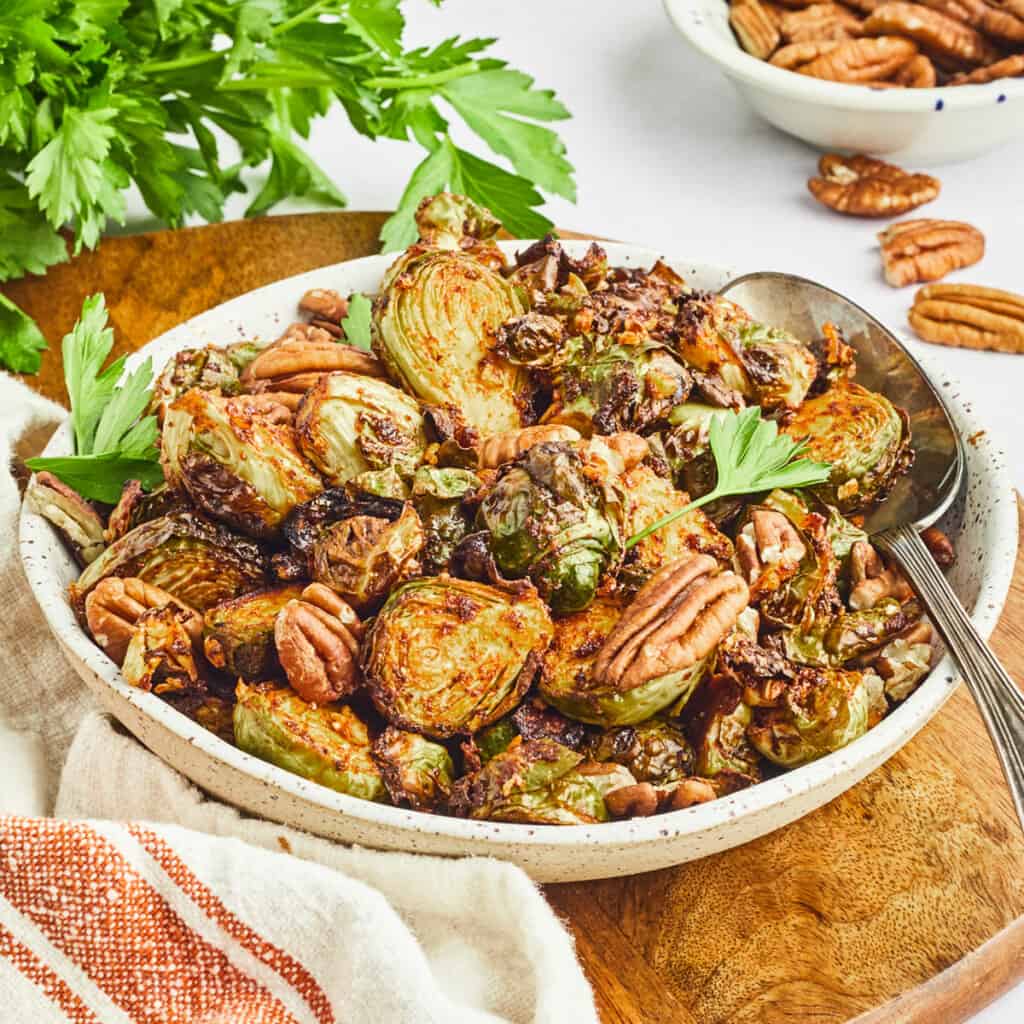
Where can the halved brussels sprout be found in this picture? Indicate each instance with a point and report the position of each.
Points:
(238, 634)
(707, 340)
(656, 751)
(433, 327)
(623, 387)
(161, 656)
(855, 633)
(864, 438)
(823, 710)
(209, 369)
(196, 561)
(437, 494)
(649, 497)
(717, 721)
(451, 221)
(549, 519)
(382, 483)
(363, 557)
(566, 674)
(417, 772)
(448, 656)
(307, 522)
(237, 466)
(347, 424)
(75, 519)
(325, 743)
(137, 506)
(781, 369)
(538, 782)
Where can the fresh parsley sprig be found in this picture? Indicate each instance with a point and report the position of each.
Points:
(751, 456)
(96, 97)
(115, 439)
(356, 324)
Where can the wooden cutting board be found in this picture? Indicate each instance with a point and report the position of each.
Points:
(901, 901)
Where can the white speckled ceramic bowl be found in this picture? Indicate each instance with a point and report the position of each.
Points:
(926, 126)
(984, 524)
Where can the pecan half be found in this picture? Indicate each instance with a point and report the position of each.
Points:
(969, 316)
(319, 647)
(917, 73)
(798, 55)
(951, 43)
(864, 187)
(939, 546)
(324, 304)
(769, 539)
(677, 618)
(861, 61)
(926, 250)
(1001, 19)
(757, 32)
(1011, 67)
(115, 605)
(643, 799)
(305, 350)
(630, 447)
(873, 581)
(497, 449)
(819, 22)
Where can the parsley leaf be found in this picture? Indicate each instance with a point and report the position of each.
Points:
(356, 324)
(750, 456)
(20, 340)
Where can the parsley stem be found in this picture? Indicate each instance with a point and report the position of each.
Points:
(312, 11)
(421, 81)
(672, 517)
(181, 62)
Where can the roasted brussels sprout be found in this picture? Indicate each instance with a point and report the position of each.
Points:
(853, 634)
(456, 222)
(437, 494)
(495, 739)
(196, 561)
(780, 368)
(325, 743)
(76, 520)
(363, 557)
(717, 721)
(567, 673)
(648, 498)
(308, 521)
(823, 710)
(162, 656)
(538, 782)
(448, 656)
(707, 340)
(656, 751)
(435, 318)
(137, 506)
(550, 520)
(347, 424)
(864, 438)
(417, 772)
(381, 483)
(237, 466)
(209, 369)
(623, 387)
(238, 634)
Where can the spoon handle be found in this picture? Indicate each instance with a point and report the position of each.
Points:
(999, 700)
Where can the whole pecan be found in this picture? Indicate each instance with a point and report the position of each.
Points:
(926, 250)
(676, 619)
(497, 449)
(755, 29)
(317, 639)
(115, 605)
(864, 187)
(951, 43)
(1011, 67)
(969, 316)
(819, 22)
(862, 61)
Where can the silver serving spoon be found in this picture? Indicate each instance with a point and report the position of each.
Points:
(921, 497)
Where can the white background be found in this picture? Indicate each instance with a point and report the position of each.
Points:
(667, 156)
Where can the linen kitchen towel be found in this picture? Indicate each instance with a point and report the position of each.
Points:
(158, 905)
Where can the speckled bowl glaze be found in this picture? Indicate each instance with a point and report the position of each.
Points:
(983, 522)
(927, 126)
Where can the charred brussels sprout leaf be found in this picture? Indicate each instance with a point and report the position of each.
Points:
(781, 369)
(822, 711)
(196, 561)
(437, 494)
(236, 465)
(864, 438)
(308, 521)
(363, 557)
(209, 369)
(655, 751)
(324, 743)
(451, 221)
(418, 773)
(434, 325)
(538, 782)
(448, 656)
(238, 634)
(347, 424)
(566, 676)
(550, 520)
(382, 483)
(717, 721)
(137, 506)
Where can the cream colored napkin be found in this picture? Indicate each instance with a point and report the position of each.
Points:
(253, 921)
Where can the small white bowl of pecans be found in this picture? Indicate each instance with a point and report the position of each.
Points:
(929, 82)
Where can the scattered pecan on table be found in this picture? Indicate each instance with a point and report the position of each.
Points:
(969, 316)
(914, 251)
(865, 187)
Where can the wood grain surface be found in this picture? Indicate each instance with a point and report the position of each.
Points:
(901, 901)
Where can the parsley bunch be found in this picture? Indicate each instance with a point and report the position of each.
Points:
(97, 95)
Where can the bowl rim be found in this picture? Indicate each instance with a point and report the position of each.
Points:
(689, 18)
(878, 743)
